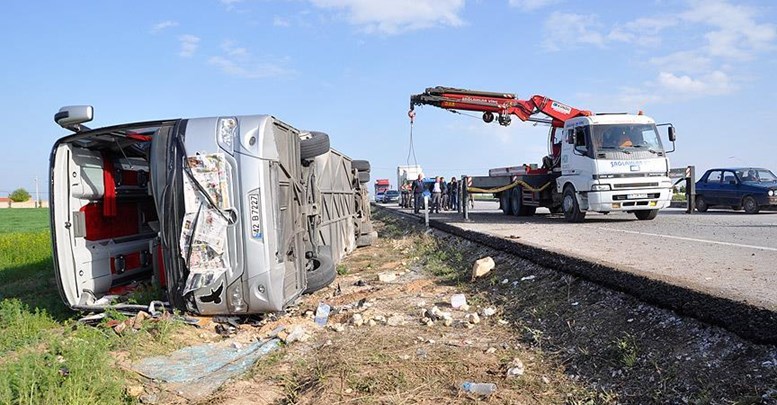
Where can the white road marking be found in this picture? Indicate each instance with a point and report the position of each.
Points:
(714, 242)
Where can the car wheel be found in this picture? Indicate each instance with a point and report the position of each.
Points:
(750, 205)
(316, 145)
(646, 215)
(323, 272)
(701, 204)
(504, 201)
(571, 208)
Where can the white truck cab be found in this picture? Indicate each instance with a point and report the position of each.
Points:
(613, 162)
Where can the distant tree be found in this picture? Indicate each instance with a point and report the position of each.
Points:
(19, 195)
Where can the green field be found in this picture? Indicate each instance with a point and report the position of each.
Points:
(48, 357)
(24, 220)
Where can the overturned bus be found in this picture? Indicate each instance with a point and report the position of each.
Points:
(226, 215)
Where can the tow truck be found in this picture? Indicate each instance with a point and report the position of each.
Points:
(601, 162)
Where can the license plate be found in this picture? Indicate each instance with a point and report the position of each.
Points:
(256, 219)
(636, 196)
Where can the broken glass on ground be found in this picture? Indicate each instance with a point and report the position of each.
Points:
(197, 371)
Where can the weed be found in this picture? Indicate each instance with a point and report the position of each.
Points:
(626, 347)
(342, 269)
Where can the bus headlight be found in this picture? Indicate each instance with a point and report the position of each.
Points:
(600, 187)
(226, 134)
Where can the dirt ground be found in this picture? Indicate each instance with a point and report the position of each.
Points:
(542, 337)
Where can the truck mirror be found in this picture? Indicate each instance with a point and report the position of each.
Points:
(672, 136)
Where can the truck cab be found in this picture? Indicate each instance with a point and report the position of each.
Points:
(612, 162)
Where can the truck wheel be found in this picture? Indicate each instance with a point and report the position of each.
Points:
(646, 215)
(750, 205)
(323, 272)
(364, 177)
(504, 202)
(516, 201)
(571, 208)
(361, 165)
(701, 204)
(316, 145)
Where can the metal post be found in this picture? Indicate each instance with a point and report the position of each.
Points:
(459, 194)
(426, 210)
(465, 196)
(690, 188)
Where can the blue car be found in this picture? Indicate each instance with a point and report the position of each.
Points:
(748, 188)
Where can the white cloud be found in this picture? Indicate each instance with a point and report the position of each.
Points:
(280, 22)
(565, 30)
(158, 27)
(531, 5)
(397, 16)
(189, 44)
(693, 61)
(736, 34)
(711, 84)
(238, 61)
(642, 31)
(230, 4)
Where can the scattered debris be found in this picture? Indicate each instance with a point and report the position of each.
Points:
(395, 320)
(322, 313)
(361, 283)
(473, 318)
(387, 277)
(338, 327)
(482, 266)
(479, 388)
(458, 300)
(491, 350)
(486, 312)
(527, 278)
(516, 368)
(357, 320)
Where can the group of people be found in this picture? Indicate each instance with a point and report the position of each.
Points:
(444, 195)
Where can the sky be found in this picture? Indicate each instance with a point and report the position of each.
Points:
(348, 68)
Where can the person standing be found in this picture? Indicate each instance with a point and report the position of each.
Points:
(437, 189)
(418, 192)
(453, 194)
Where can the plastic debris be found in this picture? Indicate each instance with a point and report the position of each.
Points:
(479, 388)
(527, 278)
(322, 313)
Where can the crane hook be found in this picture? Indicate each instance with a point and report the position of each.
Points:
(411, 114)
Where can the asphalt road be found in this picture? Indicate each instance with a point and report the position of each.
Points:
(723, 253)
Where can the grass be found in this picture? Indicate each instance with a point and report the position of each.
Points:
(45, 356)
(24, 220)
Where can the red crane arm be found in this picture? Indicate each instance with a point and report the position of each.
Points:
(503, 104)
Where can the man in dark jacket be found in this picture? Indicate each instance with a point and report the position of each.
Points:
(418, 192)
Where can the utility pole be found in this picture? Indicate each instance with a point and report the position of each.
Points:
(37, 193)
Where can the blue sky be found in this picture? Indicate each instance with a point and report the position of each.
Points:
(348, 67)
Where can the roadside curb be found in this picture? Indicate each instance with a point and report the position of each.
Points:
(750, 322)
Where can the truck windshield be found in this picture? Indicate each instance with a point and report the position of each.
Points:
(627, 137)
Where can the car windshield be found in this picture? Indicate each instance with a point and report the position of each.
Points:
(755, 175)
(392, 193)
(626, 137)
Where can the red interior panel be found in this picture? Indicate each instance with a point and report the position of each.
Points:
(98, 226)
